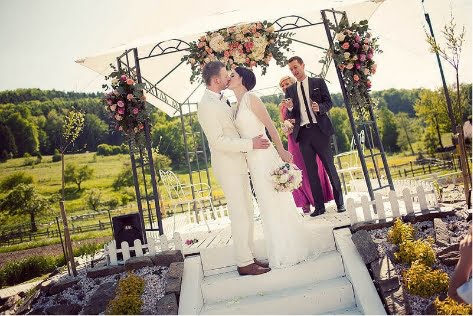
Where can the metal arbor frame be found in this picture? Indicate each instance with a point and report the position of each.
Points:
(129, 62)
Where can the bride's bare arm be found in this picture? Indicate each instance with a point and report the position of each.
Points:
(258, 108)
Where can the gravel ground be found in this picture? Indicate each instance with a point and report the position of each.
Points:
(155, 279)
(423, 230)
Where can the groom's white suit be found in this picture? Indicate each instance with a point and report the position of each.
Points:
(231, 170)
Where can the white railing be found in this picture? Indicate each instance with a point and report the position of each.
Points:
(376, 210)
(150, 249)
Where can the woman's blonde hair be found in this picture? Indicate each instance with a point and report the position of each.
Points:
(286, 78)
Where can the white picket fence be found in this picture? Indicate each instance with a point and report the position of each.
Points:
(150, 249)
(377, 210)
(206, 214)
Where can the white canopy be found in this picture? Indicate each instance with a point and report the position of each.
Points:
(177, 85)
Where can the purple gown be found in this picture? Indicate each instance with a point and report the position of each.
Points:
(303, 195)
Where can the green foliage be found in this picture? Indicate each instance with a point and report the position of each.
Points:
(7, 144)
(24, 132)
(94, 199)
(400, 232)
(339, 119)
(124, 178)
(77, 175)
(108, 150)
(418, 250)
(422, 280)
(127, 300)
(451, 307)
(387, 129)
(24, 200)
(18, 271)
(17, 178)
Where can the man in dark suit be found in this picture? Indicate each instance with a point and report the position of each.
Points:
(309, 105)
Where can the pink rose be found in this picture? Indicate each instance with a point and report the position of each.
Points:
(362, 57)
(129, 82)
(109, 102)
(368, 84)
(356, 45)
(369, 56)
(123, 78)
(341, 66)
(346, 45)
(120, 104)
(226, 53)
(366, 71)
(129, 97)
(121, 111)
(259, 26)
(113, 107)
(136, 111)
(357, 38)
(201, 44)
(357, 66)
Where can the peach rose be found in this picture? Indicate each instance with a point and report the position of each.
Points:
(356, 78)
(346, 46)
(129, 82)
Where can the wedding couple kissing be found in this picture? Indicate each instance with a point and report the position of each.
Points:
(238, 144)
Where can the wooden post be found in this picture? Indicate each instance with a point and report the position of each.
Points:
(463, 160)
(67, 239)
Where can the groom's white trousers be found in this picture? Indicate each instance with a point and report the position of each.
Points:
(241, 211)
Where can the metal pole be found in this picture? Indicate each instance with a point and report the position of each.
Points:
(444, 83)
(150, 155)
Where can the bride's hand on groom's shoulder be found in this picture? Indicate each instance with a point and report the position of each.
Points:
(285, 155)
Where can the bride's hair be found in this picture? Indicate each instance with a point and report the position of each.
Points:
(247, 76)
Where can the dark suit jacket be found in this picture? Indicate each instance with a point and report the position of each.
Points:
(318, 92)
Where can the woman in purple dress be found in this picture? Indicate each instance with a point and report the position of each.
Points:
(303, 196)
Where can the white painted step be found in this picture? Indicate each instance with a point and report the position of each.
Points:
(351, 310)
(227, 286)
(318, 298)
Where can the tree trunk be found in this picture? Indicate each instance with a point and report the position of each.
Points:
(458, 99)
(439, 135)
(409, 140)
(62, 176)
(78, 185)
(33, 223)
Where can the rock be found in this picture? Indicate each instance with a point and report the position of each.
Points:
(420, 217)
(45, 285)
(365, 246)
(430, 309)
(167, 305)
(165, 258)
(9, 302)
(450, 255)
(174, 279)
(442, 236)
(99, 300)
(396, 301)
(104, 271)
(69, 309)
(384, 274)
(370, 226)
(136, 263)
(60, 286)
(28, 303)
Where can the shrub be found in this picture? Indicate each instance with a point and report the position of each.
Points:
(56, 157)
(128, 298)
(104, 150)
(16, 272)
(418, 250)
(451, 307)
(400, 232)
(112, 203)
(422, 280)
(14, 180)
(94, 199)
(124, 178)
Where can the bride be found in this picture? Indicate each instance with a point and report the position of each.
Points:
(288, 242)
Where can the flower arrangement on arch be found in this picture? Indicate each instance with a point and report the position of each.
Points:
(248, 45)
(353, 52)
(125, 104)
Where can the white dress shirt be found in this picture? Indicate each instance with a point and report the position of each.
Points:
(304, 116)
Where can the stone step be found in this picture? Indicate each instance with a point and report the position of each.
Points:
(227, 286)
(318, 298)
(222, 260)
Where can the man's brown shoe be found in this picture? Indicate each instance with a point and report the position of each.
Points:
(252, 269)
(261, 263)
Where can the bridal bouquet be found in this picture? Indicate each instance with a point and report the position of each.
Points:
(286, 177)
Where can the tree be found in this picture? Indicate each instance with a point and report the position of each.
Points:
(451, 54)
(25, 134)
(339, 119)
(388, 130)
(8, 141)
(405, 133)
(95, 132)
(94, 199)
(15, 179)
(24, 199)
(77, 175)
(432, 109)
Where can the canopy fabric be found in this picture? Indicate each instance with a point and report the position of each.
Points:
(176, 84)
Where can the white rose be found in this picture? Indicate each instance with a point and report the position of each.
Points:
(340, 37)
(284, 178)
(114, 81)
(346, 55)
(218, 44)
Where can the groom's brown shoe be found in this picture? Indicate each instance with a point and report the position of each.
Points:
(252, 269)
(261, 263)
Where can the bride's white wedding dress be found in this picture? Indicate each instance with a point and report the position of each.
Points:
(288, 242)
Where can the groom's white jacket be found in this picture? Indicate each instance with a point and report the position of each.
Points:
(226, 146)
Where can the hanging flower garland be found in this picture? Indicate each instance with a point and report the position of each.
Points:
(248, 45)
(353, 52)
(125, 104)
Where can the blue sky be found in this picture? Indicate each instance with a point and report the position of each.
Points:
(41, 39)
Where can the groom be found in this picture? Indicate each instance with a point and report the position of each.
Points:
(229, 164)
(309, 105)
